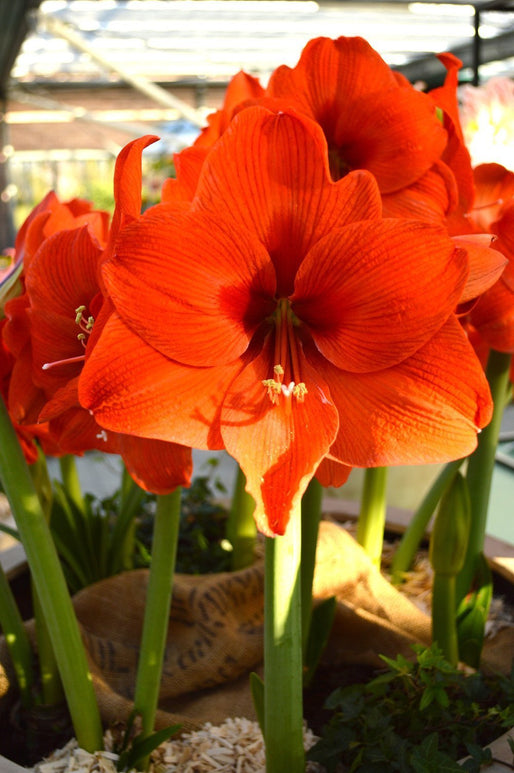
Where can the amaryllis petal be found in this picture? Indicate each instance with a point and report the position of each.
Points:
(156, 466)
(132, 388)
(331, 69)
(25, 400)
(493, 317)
(332, 473)
(456, 154)
(62, 400)
(256, 160)
(494, 187)
(127, 185)
(76, 432)
(280, 445)
(191, 285)
(430, 198)
(407, 119)
(241, 89)
(188, 165)
(354, 291)
(52, 216)
(486, 265)
(426, 409)
(504, 228)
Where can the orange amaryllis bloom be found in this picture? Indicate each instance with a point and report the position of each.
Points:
(280, 317)
(50, 330)
(27, 435)
(492, 317)
(371, 117)
(242, 90)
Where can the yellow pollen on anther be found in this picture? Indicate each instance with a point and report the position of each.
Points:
(84, 323)
(299, 391)
(276, 388)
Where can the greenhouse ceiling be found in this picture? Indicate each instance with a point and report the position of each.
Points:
(95, 42)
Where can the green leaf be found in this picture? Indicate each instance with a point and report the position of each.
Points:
(427, 758)
(257, 690)
(8, 530)
(143, 747)
(472, 616)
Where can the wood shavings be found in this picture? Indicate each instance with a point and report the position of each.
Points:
(235, 746)
(72, 759)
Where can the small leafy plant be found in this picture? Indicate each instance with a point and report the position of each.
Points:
(202, 544)
(416, 717)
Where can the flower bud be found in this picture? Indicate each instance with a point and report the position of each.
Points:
(450, 533)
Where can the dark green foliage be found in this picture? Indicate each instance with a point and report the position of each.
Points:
(416, 717)
(202, 546)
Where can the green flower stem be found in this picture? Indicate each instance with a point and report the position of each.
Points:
(17, 641)
(51, 685)
(241, 528)
(371, 521)
(480, 468)
(70, 479)
(283, 708)
(157, 608)
(52, 692)
(39, 474)
(311, 516)
(48, 576)
(444, 628)
(415, 531)
(121, 550)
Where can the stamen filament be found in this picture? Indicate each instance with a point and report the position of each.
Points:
(286, 357)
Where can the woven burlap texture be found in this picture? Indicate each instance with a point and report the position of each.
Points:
(215, 635)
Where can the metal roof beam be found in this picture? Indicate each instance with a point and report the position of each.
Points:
(431, 71)
(156, 93)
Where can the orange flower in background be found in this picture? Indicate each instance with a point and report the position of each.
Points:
(27, 435)
(280, 317)
(50, 330)
(372, 119)
(242, 90)
(492, 317)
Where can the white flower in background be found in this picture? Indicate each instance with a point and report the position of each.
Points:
(487, 116)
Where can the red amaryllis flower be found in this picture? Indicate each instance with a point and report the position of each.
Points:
(280, 317)
(27, 435)
(50, 330)
(242, 90)
(371, 117)
(492, 317)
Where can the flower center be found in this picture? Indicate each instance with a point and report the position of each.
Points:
(85, 323)
(286, 379)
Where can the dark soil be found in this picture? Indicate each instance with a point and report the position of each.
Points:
(327, 679)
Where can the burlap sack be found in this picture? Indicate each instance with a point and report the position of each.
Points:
(216, 632)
